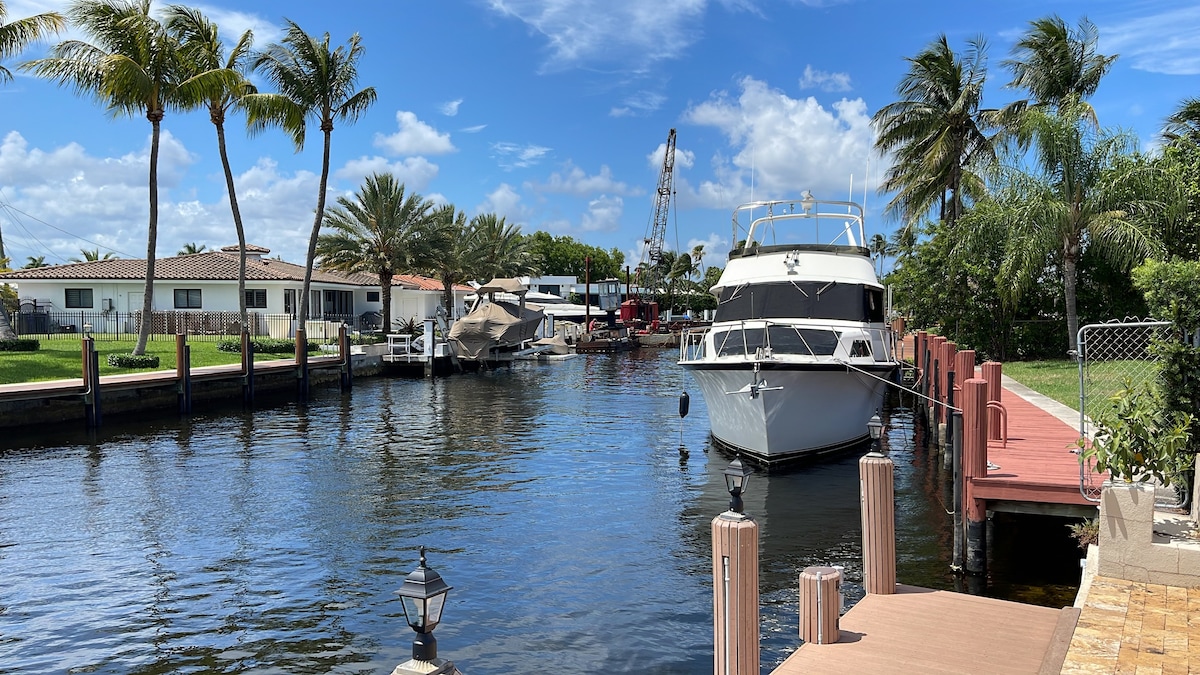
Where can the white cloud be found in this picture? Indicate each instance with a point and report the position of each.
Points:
(603, 214)
(233, 23)
(575, 181)
(783, 145)
(640, 104)
(819, 79)
(506, 202)
(632, 33)
(450, 108)
(414, 138)
(474, 130)
(415, 172)
(684, 159)
(1159, 43)
(512, 156)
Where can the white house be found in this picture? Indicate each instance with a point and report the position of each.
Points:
(199, 291)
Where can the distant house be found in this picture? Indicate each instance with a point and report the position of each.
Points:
(104, 292)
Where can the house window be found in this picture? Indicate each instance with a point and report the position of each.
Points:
(79, 298)
(187, 298)
(372, 296)
(256, 298)
(339, 303)
(289, 301)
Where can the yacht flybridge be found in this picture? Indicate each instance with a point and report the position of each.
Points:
(799, 354)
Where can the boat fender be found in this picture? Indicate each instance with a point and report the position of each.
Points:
(685, 402)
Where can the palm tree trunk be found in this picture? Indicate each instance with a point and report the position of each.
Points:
(6, 329)
(237, 224)
(1070, 251)
(310, 258)
(385, 294)
(151, 236)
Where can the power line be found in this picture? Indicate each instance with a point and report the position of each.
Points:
(8, 207)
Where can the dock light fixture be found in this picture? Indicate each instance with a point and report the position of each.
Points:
(87, 329)
(875, 426)
(808, 202)
(424, 596)
(736, 476)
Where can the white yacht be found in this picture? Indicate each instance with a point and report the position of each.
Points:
(799, 354)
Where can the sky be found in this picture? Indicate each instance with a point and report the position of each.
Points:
(551, 113)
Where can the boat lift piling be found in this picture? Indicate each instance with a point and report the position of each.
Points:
(975, 435)
(247, 369)
(301, 366)
(183, 373)
(91, 381)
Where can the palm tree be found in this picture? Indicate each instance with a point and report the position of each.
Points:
(314, 82)
(377, 231)
(1056, 65)
(201, 44)
(449, 255)
(134, 67)
(1089, 190)
(34, 262)
(17, 34)
(91, 255)
(698, 259)
(500, 249)
(192, 248)
(878, 246)
(937, 133)
(1183, 126)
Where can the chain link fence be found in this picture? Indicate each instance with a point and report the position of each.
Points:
(1111, 354)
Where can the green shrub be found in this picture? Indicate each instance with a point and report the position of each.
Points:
(19, 345)
(1138, 438)
(132, 361)
(265, 346)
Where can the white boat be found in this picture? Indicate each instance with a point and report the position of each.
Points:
(494, 329)
(799, 354)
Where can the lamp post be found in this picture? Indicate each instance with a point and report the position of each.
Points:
(875, 426)
(736, 475)
(424, 596)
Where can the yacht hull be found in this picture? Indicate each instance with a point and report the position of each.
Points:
(798, 411)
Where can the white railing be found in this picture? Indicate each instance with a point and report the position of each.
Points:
(847, 341)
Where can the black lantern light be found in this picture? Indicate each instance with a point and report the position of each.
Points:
(424, 596)
(875, 426)
(736, 475)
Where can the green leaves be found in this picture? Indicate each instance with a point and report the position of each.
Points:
(1138, 438)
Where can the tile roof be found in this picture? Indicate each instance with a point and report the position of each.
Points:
(219, 265)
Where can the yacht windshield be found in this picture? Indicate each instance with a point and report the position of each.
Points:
(801, 300)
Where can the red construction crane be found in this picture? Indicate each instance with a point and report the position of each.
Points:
(637, 310)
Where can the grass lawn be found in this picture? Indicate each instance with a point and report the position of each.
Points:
(1060, 379)
(59, 359)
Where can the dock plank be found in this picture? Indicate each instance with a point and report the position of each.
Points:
(918, 630)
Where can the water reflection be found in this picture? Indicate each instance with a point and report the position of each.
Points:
(553, 497)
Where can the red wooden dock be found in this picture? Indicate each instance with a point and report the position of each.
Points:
(1036, 467)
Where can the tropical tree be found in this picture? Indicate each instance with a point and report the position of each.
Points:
(315, 83)
(1057, 66)
(450, 254)
(936, 132)
(192, 248)
(133, 66)
(563, 255)
(878, 245)
(204, 52)
(698, 259)
(378, 231)
(1182, 127)
(15, 35)
(1087, 189)
(34, 262)
(500, 249)
(91, 255)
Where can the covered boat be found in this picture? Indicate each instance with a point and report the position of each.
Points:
(493, 327)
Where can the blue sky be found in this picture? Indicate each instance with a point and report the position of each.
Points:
(552, 113)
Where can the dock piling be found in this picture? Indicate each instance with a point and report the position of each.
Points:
(301, 367)
(247, 369)
(820, 605)
(992, 373)
(956, 452)
(735, 594)
(975, 433)
(183, 373)
(91, 382)
(347, 375)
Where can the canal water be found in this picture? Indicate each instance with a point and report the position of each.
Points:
(553, 497)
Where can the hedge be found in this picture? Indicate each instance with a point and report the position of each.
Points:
(265, 346)
(20, 345)
(133, 361)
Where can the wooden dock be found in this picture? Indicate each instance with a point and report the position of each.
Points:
(918, 630)
(1035, 471)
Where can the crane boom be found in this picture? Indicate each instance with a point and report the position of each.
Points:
(662, 203)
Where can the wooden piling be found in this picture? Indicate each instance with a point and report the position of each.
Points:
(183, 373)
(301, 366)
(344, 352)
(876, 475)
(820, 605)
(247, 369)
(992, 372)
(91, 382)
(964, 365)
(948, 446)
(956, 451)
(735, 594)
(975, 430)
(949, 349)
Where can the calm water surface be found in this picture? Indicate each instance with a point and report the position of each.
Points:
(553, 497)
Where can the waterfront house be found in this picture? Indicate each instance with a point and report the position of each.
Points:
(198, 293)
